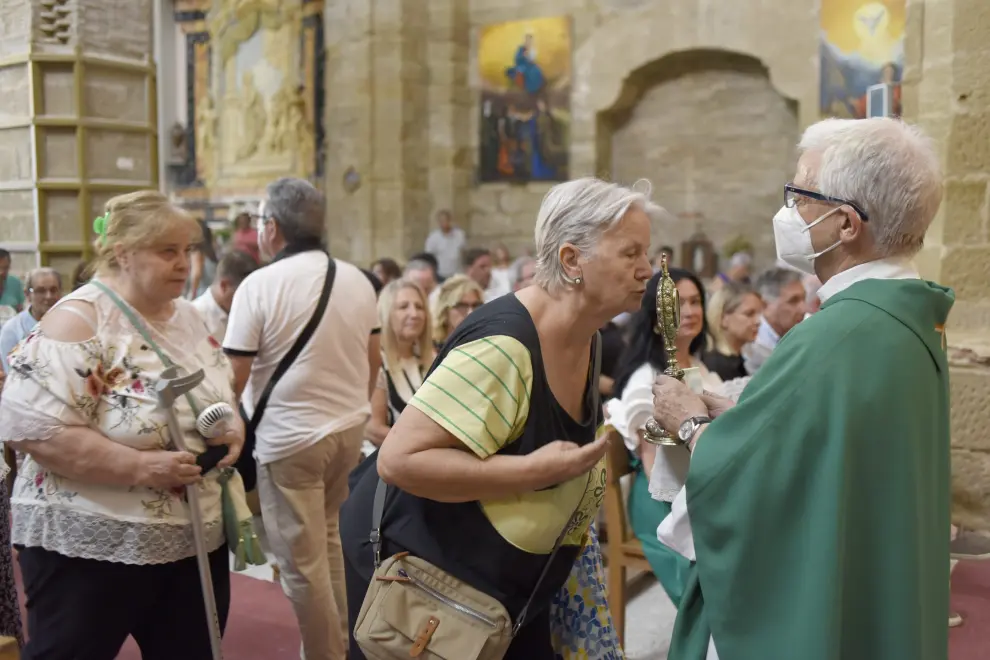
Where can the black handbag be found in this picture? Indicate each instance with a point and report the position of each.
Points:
(246, 464)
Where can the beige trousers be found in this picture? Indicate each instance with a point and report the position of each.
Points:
(300, 505)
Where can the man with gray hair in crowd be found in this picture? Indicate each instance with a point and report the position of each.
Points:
(308, 438)
(817, 507)
(783, 293)
(44, 288)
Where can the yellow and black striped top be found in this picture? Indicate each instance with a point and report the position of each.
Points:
(488, 389)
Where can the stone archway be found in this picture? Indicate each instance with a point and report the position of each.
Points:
(630, 41)
(708, 129)
(632, 51)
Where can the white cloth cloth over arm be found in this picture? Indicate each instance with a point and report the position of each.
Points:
(675, 530)
(629, 415)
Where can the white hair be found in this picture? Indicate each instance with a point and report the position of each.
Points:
(39, 272)
(577, 212)
(886, 167)
(773, 280)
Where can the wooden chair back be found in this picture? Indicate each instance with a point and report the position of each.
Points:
(623, 549)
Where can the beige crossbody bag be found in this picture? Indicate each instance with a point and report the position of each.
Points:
(415, 610)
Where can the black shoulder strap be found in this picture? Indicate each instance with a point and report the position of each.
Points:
(297, 347)
(378, 507)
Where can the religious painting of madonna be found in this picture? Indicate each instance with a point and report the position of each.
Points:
(525, 73)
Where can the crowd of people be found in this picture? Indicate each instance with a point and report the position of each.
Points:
(457, 410)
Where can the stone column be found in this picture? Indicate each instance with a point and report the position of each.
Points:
(947, 91)
(77, 121)
(451, 100)
(377, 128)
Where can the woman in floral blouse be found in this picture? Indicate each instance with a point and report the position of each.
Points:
(99, 516)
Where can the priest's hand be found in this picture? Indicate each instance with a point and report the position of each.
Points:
(716, 404)
(674, 403)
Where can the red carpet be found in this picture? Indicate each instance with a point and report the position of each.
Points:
(971, 599)
(261, 625)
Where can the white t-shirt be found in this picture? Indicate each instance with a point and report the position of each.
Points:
(326, 389)
(447, 249)
(213, 315)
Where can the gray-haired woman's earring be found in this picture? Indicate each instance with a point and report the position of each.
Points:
(578, 280)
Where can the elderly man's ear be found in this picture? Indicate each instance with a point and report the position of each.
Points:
(852, 225)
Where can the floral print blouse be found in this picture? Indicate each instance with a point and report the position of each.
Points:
(107, 383)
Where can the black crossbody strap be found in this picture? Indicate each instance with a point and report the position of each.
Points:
(595, 410)
(297, 347)
(378, 507)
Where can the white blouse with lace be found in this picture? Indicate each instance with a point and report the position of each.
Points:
(107, 383)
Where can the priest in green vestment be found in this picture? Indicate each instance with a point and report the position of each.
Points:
(817, 507)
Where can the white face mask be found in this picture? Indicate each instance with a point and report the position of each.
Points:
(793, 238)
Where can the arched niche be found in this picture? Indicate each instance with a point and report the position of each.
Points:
(714, 136)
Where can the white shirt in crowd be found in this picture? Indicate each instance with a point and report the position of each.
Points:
(500, 284)
(326, 389)
(213, 315)
(447, 248)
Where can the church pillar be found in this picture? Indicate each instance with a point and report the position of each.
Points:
(377, 121)
(947, 91)
(450, 98)
(78, 121)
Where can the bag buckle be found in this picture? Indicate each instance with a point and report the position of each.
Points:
(376, 543)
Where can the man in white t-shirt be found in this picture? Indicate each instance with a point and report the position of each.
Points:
(446, 243)
(214, 304)
(310, 435)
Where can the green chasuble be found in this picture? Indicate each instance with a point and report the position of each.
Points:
(820, 503)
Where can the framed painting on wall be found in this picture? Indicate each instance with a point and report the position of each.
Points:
(525, 100)
(862, 46)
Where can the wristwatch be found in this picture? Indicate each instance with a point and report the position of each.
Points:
(690, 426)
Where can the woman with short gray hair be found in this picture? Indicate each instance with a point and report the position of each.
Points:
(495, 469)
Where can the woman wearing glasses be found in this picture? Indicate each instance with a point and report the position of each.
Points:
(457, 297)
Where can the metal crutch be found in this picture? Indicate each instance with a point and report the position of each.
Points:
(169, 388)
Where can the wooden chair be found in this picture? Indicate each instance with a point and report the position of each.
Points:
(8, 649)
(623, 550)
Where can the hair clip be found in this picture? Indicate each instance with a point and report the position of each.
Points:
(100, 226)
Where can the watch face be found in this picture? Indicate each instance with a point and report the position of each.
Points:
(686, 430)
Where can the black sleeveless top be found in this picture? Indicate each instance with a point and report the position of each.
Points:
(463, 538)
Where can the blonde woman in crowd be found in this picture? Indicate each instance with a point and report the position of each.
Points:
(733, 321)
(407, 353)
(457, 297)
(103, 532)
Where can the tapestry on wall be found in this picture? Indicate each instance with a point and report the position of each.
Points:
(862, 44)
(525, 74)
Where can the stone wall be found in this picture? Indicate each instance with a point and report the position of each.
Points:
(378, 99)
(713, 138)
(947, 91)
(622, 47)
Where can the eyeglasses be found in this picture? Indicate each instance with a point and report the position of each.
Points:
(467, 308)
(44, 291)
(792, 192)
